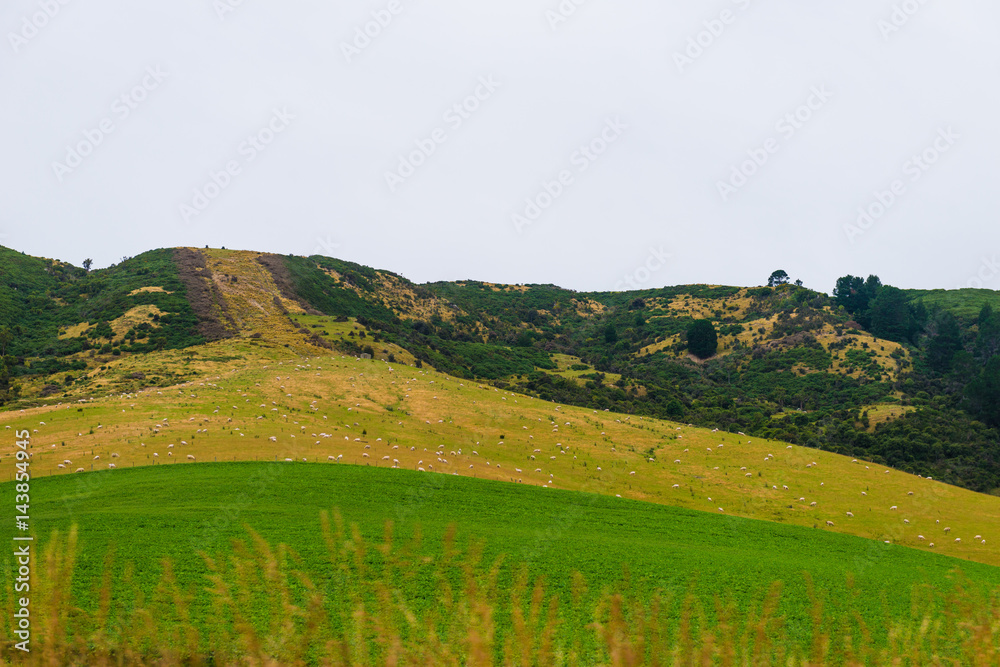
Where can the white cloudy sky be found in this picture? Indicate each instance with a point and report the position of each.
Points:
(320, 186)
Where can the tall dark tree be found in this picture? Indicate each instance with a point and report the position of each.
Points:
(779, 277)
(87, 263)
(610, 334)
(702, 340)
(850, 293)
(856, 295)
(872, 285)
(891, 317)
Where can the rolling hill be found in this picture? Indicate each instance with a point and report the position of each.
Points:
(792, 364)
(340, 410)
(184, 392)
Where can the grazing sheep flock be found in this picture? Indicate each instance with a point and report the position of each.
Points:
(530, 433)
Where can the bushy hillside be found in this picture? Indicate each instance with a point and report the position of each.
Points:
(791, 364)
(900, 378)
(56, 319)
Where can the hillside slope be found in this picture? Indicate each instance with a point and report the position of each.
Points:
(341, 410)
(792, 364)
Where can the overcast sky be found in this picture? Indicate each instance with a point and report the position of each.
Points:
(610, 144)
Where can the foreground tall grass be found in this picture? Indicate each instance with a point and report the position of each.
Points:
(389, 604)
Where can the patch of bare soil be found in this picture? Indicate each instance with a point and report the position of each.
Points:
(283, 279)
(203, 295)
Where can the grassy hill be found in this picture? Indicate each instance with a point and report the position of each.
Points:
(963, 303)
(184, 392)
(792, 364)
(374, 413)
(131, 520)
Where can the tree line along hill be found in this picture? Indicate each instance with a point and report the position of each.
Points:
(905, 378)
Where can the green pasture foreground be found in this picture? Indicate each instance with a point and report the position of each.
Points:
(153, 513)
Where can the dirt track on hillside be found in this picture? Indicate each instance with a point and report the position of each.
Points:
(203, 295)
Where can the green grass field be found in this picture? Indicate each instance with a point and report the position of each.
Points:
(964, 303)
(153, 513)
